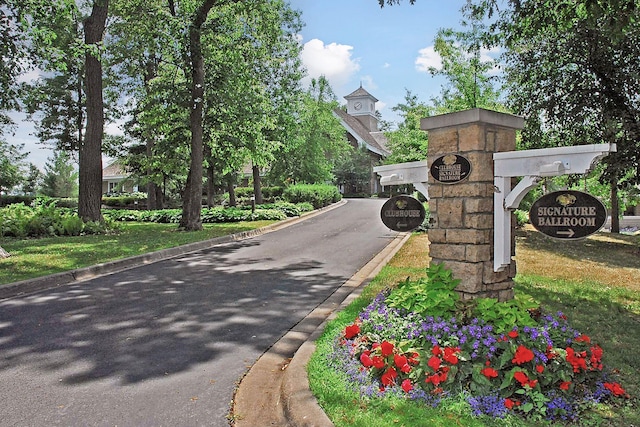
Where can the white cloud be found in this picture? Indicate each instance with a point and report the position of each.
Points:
(428, 57)
(333, 61)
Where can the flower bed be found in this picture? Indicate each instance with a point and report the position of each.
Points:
(542, 370)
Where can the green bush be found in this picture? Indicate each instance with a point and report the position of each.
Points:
(522, 217)
(319, 195)
(14, 200)
(45, 218)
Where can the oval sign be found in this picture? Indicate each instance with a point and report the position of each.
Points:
(568, 214)
(450, 168)
(402, 213)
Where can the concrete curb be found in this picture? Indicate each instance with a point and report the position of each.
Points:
(60, 279)
(275, 391)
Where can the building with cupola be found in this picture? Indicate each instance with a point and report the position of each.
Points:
(361, 125)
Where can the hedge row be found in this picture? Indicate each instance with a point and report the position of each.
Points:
(317, 194)
(272, 212)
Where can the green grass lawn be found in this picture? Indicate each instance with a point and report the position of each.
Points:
(595, 282)
(32, 258)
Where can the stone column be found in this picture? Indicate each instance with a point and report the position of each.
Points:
(461, 232)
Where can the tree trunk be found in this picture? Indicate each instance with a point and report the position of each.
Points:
(3, 253)
(615, 207)
(210, 187)
(257, 185)
(90, 154)
(231, 191)
(192, 198)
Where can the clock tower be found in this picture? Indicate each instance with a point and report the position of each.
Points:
(362, 105)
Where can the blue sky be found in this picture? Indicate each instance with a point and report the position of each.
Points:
(386, 49)
(352, 42)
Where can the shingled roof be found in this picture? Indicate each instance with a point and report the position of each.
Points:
(374, 141)
(360, 92)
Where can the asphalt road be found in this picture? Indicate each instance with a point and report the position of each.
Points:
(165, 344)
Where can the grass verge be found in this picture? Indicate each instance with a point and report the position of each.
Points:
(32, 258)
(594, 282)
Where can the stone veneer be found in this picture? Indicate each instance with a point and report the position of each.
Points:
(461, 233)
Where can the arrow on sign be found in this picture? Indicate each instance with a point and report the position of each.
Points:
(568, 233)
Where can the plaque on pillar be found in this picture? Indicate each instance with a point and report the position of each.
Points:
(450, 168)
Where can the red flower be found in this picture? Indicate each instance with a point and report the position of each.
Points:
(596, 358)
(399, 360)
(583, 338)
(401, 363)
(513, 334)
(508, 403)
(365, 359)
(489, 372)
(407, 386)
(577, 360)
(564, 385)
(434, 363)
(540, 368)
(615, 388)
(523, 355)
(436, 351)
(389, 377)
(521, 377)
(378, 362)
(351, 331)
(450, 355)
(436, 378)
(386, 348)
(414, 359)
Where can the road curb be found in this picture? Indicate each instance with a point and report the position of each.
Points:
(275, 391)
(57, 280)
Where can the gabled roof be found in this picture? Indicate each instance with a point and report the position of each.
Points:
(374, 141)
(113, 171)
(359, 93)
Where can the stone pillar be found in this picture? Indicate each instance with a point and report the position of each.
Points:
(461, 232)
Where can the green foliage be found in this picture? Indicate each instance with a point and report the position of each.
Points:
(61, 178)
(6, 200)
(208, 216)
(319, 195)
(434, 295)
(317, 142)
(503, 315)
(44, 219)
(12, 165)
(522, 217)
(408, 143)
(123, 200)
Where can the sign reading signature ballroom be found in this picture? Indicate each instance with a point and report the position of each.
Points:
(568, 214)
(450, 168)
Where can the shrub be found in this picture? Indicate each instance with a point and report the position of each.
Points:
(319, 195)
(522, 217)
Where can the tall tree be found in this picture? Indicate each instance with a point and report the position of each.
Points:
(90, 153)
(61, 178)
(12, 165)
(319, 142)
(573, 70)
(468, 72)
(192, 198)
(32, 181)
(408, 143)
